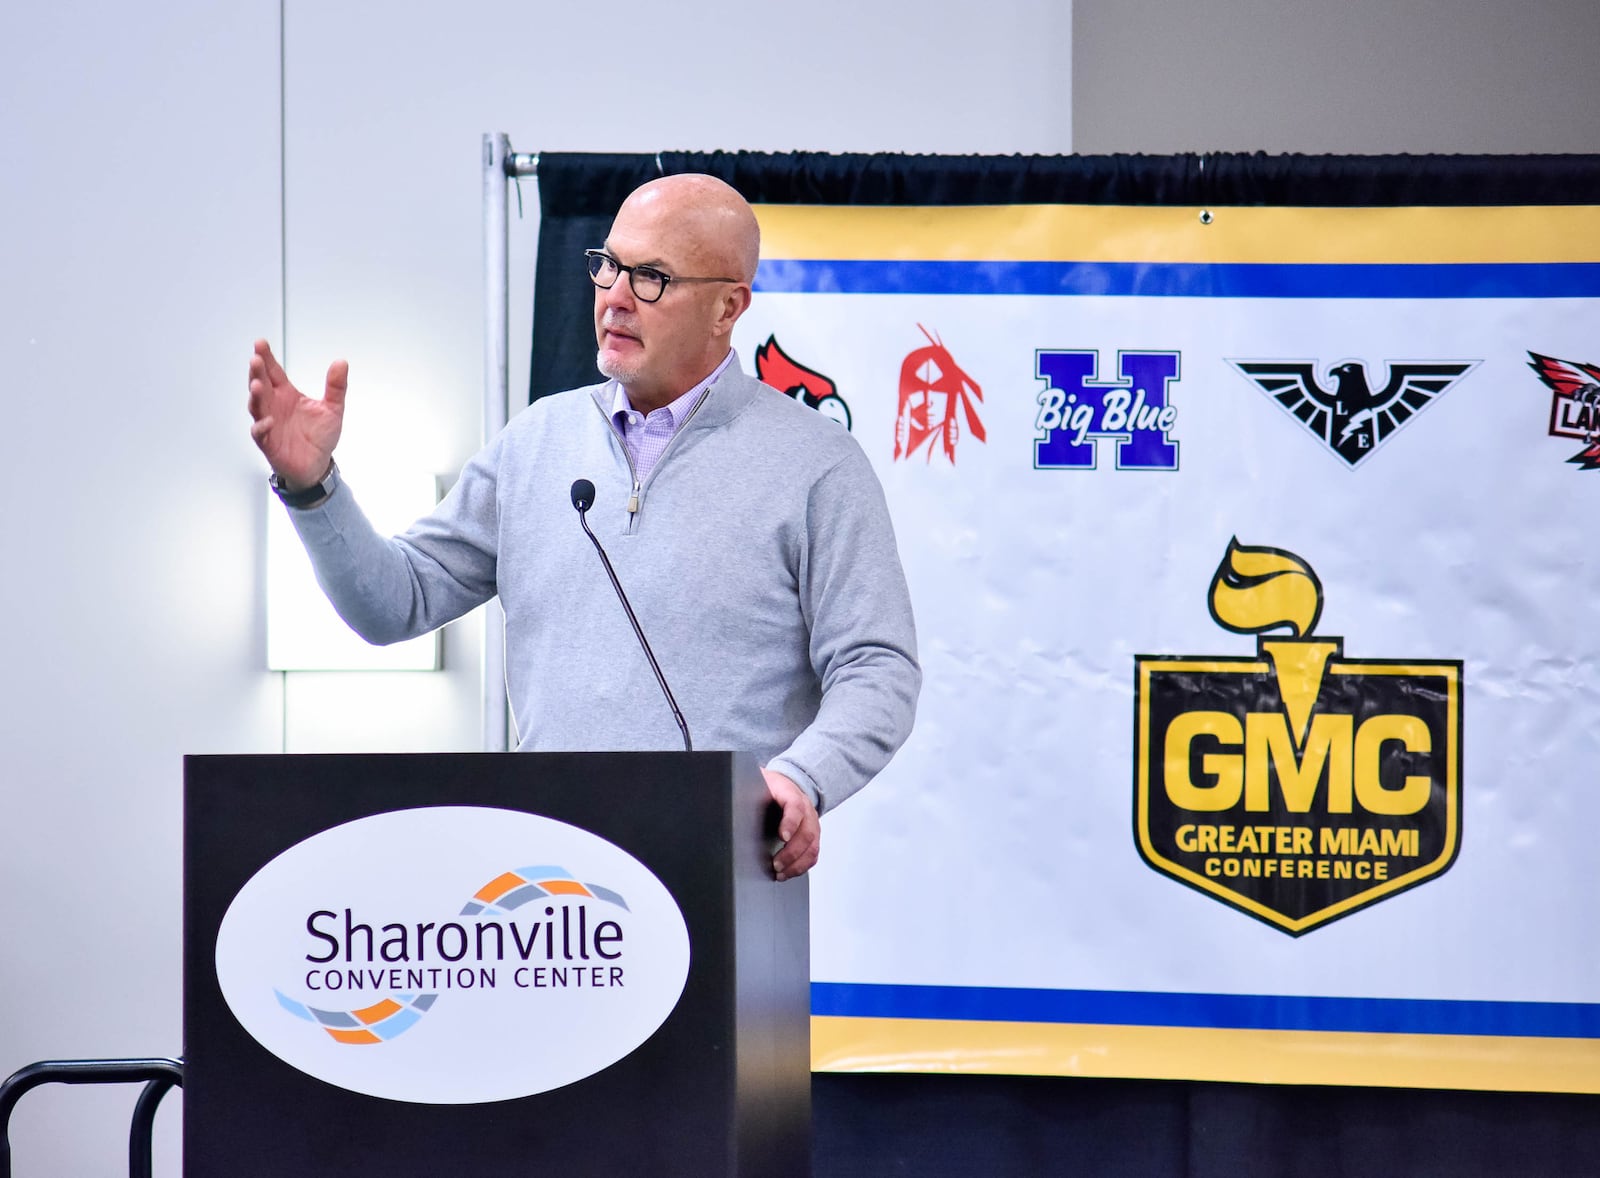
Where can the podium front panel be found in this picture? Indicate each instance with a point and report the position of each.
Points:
(338, 1018)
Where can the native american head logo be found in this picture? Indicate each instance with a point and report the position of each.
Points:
(934, 395)
(775, 367)
(1574, 404)
(1352, 418)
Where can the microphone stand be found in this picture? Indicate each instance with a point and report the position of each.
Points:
(582, 503)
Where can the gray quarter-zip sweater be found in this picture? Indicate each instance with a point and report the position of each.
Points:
(759, 558)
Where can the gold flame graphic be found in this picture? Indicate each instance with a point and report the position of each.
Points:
(1261, 589)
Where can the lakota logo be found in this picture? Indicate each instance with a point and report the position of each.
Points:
(1297, 786)
(1352, 418)
(934, 394)
(540, 979)
(809, 387)
(1574, 404)
(1077, 409)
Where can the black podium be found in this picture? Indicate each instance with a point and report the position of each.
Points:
(329, 999)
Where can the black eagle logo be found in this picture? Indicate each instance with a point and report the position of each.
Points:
(1352, 418)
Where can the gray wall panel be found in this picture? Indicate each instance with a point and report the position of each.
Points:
(1361, 76)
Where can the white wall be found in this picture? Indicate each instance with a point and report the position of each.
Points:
(139, 251)
(140, 239)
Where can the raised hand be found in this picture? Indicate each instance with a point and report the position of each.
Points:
(296, 433)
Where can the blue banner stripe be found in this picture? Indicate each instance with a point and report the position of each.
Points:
(1501, 280)
(1560, 1020)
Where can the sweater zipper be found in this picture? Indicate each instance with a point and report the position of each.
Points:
(633, 496)
(637, 493)
(633, 473)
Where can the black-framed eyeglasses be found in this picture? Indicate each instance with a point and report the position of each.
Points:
(648, 283)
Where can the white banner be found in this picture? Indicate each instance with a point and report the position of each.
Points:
(1255, 740)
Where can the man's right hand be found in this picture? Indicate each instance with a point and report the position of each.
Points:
(296, 433)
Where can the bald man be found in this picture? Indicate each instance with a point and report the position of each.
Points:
(749, 530)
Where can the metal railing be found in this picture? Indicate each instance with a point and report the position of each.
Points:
(157, 1075)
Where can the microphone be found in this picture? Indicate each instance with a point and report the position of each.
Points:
(583, 499)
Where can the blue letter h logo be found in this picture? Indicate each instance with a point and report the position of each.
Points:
(1075, 410)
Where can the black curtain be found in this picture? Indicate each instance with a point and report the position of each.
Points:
(933, 1126)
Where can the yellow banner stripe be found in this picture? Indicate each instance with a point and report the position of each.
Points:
(1122, 233)
(1488, 1063)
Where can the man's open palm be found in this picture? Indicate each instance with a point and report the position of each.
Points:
(296, 433)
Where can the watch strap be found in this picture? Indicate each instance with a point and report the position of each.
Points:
(307, 496)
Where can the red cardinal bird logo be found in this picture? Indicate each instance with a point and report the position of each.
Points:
(1574, 405)
(934, 395)
(775, 367)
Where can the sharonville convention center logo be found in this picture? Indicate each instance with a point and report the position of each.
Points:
(556, 949)
(358, 956)
(1299, 785)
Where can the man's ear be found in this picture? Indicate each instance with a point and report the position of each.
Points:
(729, 307)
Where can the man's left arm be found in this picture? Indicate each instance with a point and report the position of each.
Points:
(863, 643)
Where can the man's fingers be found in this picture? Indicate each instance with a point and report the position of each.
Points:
(260, 394)
(799, 855)
(798, 827)
(338, 383)
(794, 852)
(801, 833)
(260, 428)
(274, 370)
(797, 810)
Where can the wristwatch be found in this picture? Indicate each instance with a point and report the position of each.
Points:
(308, 496)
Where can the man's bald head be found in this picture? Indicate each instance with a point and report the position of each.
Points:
(695, 229)
(705, 217)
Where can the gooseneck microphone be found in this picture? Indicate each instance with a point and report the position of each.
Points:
(583, 499)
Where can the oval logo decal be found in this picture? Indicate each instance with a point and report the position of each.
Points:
(452, 955)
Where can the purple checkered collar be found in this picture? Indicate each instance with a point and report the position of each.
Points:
(679, 408)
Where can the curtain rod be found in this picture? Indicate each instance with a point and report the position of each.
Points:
(526, 163)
